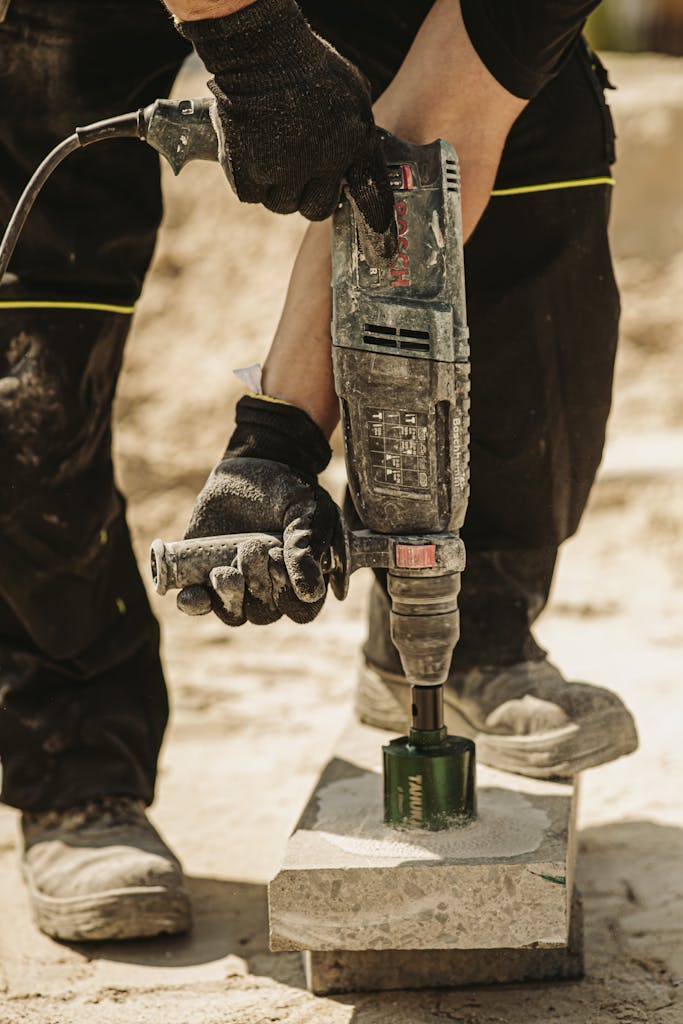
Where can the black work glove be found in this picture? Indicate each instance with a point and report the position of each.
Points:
(294, 119)
(266, 483)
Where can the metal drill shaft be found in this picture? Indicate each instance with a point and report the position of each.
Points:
(427, 705)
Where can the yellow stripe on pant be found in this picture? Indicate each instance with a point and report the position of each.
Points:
(551, 186)
(98, 307)
(520, 190)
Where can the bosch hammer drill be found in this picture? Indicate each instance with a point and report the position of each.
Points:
(401, 371)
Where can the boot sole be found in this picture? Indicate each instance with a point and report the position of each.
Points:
(384, 702)
(116, 914)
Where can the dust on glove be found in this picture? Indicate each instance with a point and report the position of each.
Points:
(266, 483)
(294, 118)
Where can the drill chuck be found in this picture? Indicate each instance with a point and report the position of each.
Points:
(425, 623)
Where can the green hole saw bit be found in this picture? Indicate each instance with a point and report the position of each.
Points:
(401, 370)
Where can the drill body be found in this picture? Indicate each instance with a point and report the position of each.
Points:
(401, 368)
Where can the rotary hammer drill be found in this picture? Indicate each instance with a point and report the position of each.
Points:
(401, 370)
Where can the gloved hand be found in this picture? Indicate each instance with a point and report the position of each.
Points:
(294, 119)
(266, 482)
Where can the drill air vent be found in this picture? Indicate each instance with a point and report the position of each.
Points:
(452, 176)
(405, 338)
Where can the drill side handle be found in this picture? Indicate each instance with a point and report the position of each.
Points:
(185, 563)
(182, 563)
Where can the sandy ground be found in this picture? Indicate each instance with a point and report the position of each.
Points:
(255, 714)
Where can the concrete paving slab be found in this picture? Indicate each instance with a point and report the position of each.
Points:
(349, 882)
(379, 970)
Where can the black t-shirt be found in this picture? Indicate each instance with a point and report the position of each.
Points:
(524, 42)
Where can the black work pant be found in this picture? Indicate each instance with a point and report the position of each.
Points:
(82, 697)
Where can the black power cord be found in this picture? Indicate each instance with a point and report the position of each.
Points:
(124, 126)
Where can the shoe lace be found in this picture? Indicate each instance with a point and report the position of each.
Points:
(107, 810)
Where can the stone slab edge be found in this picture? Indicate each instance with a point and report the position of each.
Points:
(328, 973)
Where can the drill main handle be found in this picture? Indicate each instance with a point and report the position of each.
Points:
(181, 130)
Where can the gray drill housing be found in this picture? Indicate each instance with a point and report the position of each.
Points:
(401, 369)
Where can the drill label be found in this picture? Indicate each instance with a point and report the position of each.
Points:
(415, 799)
(398, 446)
(400, 268)
(461, 473)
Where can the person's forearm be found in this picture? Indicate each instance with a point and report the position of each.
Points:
(196, 10)
(298, 368)
(442, 90)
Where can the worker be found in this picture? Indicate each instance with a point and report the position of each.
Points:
(516, 90)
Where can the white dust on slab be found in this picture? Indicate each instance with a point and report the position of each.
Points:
(508, 825)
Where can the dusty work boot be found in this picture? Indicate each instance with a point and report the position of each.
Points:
(502, 691)
(100, 870)
(525, 718)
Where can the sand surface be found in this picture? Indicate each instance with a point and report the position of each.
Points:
(255, 714)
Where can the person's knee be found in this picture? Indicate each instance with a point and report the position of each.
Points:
(33, 409)
(55, 399)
